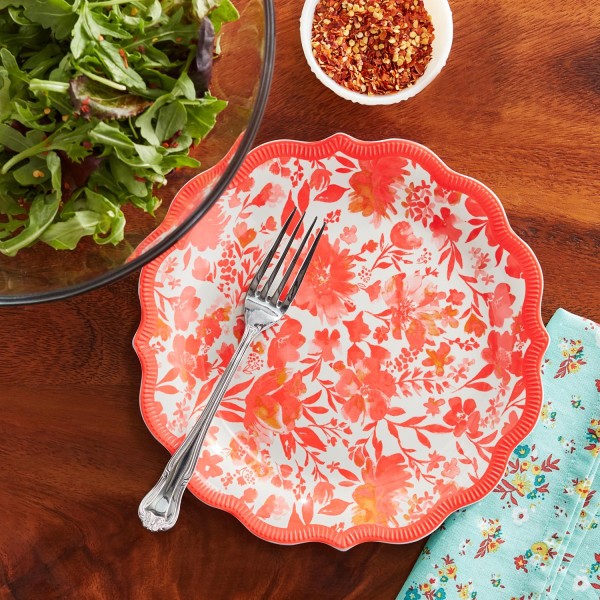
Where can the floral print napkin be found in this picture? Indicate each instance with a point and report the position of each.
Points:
(537, 535)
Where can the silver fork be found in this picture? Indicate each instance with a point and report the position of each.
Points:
(160, 507)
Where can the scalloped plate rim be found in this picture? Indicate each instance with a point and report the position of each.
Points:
(532, 359)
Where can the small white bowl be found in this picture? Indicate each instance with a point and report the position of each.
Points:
(441, 18)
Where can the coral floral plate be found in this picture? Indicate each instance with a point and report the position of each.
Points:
(400, 380)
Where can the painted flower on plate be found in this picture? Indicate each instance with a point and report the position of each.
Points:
(368, 388)
(463, 416)
(414, 305)
(274, 401)
(384, 484)
(501, 353)
(373, 194)
(329, 282)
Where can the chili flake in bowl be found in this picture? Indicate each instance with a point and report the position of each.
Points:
(376, 51)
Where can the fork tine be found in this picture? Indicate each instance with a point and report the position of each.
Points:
(263, 293)
(275, 296)
(300, 276)
(267, 260)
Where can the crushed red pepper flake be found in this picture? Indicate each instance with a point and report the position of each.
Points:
(123, 55)
(372, 47)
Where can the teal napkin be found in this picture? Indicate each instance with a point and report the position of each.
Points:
(537, 535)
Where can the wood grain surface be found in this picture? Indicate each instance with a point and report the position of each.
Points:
(517, 107)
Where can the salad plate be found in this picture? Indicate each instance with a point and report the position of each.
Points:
(404, 374)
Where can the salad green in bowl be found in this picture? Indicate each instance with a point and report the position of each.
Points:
(106, 109)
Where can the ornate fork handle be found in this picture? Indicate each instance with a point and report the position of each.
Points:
(160, 507)
(262, 309)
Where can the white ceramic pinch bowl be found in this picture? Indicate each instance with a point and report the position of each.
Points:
(441, 18)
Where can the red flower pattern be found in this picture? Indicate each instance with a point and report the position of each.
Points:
(438, 359)
(211, 232)
(381, 319)
(184, 356)
(463, 416)
(414, 306)
(403, 236)
(328, 284)
(500, 305)
(443, 227)
(373, 194)
(185, 308)
(377, 498)
(502, 355)
(284, 347)
(274, 401)
(208, 464)
(368, 389)
(327, 342)
(210, 328)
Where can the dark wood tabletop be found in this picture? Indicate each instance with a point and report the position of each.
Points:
(517, 107)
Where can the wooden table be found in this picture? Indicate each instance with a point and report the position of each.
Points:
(518, 107)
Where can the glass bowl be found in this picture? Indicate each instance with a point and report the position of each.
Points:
(242, 76)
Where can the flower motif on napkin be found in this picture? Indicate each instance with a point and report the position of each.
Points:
(593, 436)
(526, 476)
(491, 530)
(539, 555)
(572, 351)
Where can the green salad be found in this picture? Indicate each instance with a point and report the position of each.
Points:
(99, 101)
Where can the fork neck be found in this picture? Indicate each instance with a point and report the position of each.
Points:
(250, 332)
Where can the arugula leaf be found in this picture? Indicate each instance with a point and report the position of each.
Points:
(39, 85)
(203, 7)
(226, 12)
(80, 38)
(116, 66)
(19, 81)
(31, 114)
(111, 228)
(28, 36)
(7, 229)
(44, 60)
(10, 191)
(17, 15)
(41, 214)
(57, 15)
(12, 139)
(97, 25)
(126, 177)
(145, 121)
(53, 163)
(184, 87)
(65, 139)
(171, 119)
(4, 94)
(110, 135)
(25, 173)
(143, 157)
(173, 31)
(95, 215)
(202, 116)
(134, 155)
(65, 235)
(173, 161)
